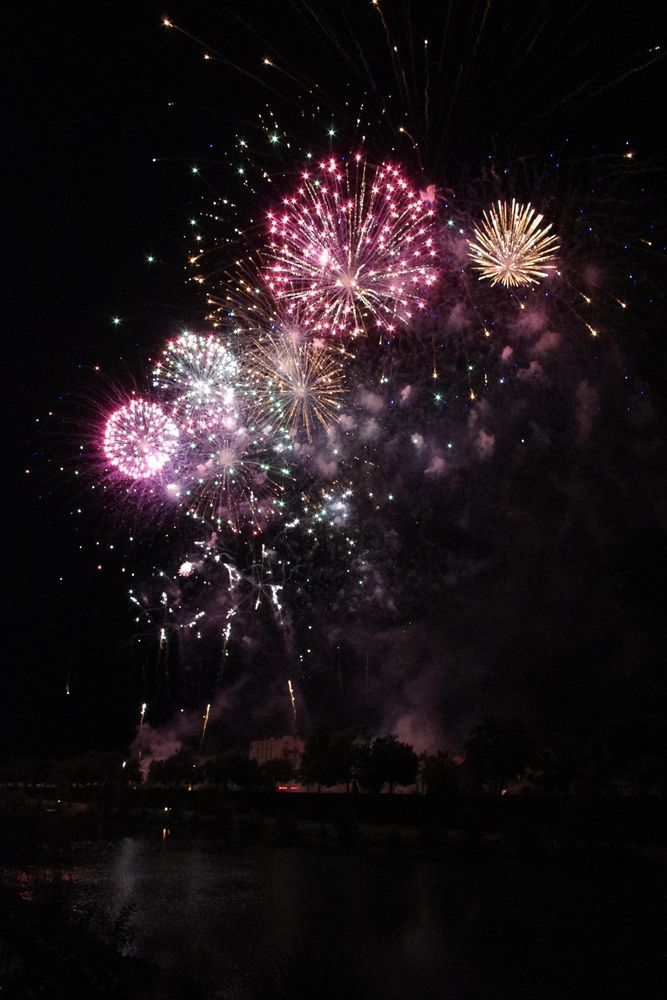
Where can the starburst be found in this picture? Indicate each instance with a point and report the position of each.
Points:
(140, 438)
(297, 384)
(199, 376)
(511, 247)
(352, 248)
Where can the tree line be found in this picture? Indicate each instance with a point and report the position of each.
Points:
(498, 755)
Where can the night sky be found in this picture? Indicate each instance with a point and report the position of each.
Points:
(540, 593)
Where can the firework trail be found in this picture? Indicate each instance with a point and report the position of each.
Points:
(293, 701)
(205, 724)
(142, 715)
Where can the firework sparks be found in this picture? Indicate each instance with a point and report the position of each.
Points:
(297, 385)
(511, 247)
(233, 474)
(293, 700)
(223, 468)
(353, 247)
(142, 716)
(205, 724)
(140, 438)
(199, 376)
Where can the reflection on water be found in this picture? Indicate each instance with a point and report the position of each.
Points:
(299, 923)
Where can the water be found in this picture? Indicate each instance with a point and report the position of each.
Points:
(318, 923)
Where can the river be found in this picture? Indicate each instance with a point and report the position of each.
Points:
(297, 922)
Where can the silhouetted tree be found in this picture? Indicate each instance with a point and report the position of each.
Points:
(320, 764)
(498, 751)
(234, 768)
(386, 761)
(345, 755)
(397, 762)
(243, 772)
(26, 770)
(180, 769)
(367, 767)
(439, 774)
(275, 772)
(89, 769)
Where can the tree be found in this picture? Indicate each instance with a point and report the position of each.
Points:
(386, 761)
(276, 772)
(243, 772)
(176, 770)
(234, 768)
(439, 774)
(344, 755)
(367, 768)
(89, 769)
(397, 762)
(319, 762)
(498, 751)
(216, 771)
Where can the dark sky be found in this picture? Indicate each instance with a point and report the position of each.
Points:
(86, 113)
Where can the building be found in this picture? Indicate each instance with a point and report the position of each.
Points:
(289, 748)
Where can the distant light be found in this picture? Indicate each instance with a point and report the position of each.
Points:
(116, 321)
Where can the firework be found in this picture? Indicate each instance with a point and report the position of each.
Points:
(353, 247)
(142, 716)
(511, 247)
(199, 376)
(205, 724)
(232, 473)
(297, 385)
(293, 701)
(140, 438)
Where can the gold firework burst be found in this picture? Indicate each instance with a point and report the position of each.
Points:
(511, 247)
(297, 384)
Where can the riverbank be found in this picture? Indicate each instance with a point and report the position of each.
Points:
(33, 823)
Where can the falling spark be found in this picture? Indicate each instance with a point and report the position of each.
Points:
(141, 726)
(292, 699)
(205, 725)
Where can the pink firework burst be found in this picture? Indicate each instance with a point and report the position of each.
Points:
(140, 438)
(352, 248)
